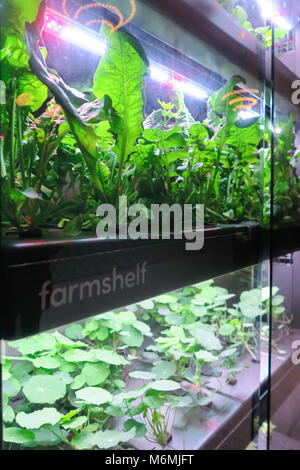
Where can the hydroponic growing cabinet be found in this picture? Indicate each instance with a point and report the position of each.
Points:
(122, 343)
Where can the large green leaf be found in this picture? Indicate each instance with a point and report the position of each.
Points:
(154, 399)
(251, 297)
(31, 91)
(108, 439)
(15, 13)
(46, 362)
(83, 440)
(11, 387)
(163, 370)
(78, 355)
(131, 336)
(17, 435)
(140, 428)
(95, 374)
(132, 395)
(206, 339)
(164, 385)
(110, 357)
(120, 75)
(94, 395)
(250, 311)
(36, 419)
(14, 50)
(75, 423)
(140, 374)
(205, 356)
(8, 414)
(44, 389)
(34, 344)
(65, 96)
(45, 437)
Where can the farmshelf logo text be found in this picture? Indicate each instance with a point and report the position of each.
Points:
(160, 221)
(89, 289)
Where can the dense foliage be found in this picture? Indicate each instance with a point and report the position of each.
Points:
(62, 154)
(124, 375)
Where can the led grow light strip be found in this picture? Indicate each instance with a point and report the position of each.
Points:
(163, 75)
(267, 11)
(88, 40)
(82, 39)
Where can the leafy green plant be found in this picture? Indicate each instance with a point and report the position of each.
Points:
(56, 387)
(117, 329)
(115, 378)
(62, 155)
(263, 34)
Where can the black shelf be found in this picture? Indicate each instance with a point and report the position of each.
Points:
(76, 272)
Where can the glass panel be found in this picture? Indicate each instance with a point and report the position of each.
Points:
(199, 107)
(179, 371)
(162, 111)
(284, 383)
(284, 422)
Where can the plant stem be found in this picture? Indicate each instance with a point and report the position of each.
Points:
(21, 153)
(60, 437)
(220, 148)
(12, 133)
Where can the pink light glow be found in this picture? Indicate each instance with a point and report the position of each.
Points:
(53, 26)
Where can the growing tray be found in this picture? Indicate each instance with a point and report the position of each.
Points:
(238, 410)
(50, 283)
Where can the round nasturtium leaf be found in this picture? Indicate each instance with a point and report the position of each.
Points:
(8, 414)
(226, 330)
(165, 299)
(153, 399)
(44, 389)
(95, 374)
(146, 304)
(75, 423)
(207, 340)
(110, 357)
(83, 440)
(78, 355)
(78, 382)
(205, 356)
(17, 435)
(46, 362)
(140, 428)
(165, 385)
(36, 419)
(94, 395)
(37, 343)
(163, 370)
(108, 439)
(142, 327)
(126, 318)
(11, 387)
(140, 374)
(74, 331)
(48, 437)
(131, 336)
(6, 375)
(129, 396)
